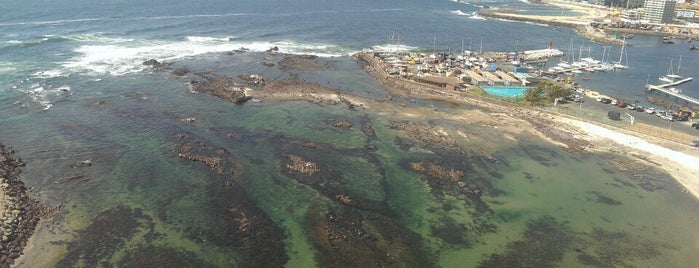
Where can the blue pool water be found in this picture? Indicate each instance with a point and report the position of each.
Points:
(509, 92)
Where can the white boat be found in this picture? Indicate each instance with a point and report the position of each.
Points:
(565, 65)
(671, 77)
(618, 65)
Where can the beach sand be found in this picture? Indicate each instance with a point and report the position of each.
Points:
(679, 160)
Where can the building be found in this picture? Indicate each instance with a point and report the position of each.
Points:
(630, 4)
(659, 11)
(630, 15)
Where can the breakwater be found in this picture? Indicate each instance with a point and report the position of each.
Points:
(583, 29)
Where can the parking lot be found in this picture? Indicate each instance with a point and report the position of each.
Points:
(644, 122)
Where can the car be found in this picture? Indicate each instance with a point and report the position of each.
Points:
(606, 100)
(614, 102)
(650, 110)
(639, 108)
(668, 118)
(694, 143)
(621, 104)
(695, 126)
(661, 113)
(631, 107)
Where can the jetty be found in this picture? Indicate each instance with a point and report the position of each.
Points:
(669, 89)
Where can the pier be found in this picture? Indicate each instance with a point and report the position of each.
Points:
(666, 88)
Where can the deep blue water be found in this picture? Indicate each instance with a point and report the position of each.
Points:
(73, 87)
(42, 46)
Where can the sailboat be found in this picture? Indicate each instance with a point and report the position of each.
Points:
(672, 77)
(618, 65)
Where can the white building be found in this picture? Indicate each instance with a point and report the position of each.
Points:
(659, 11)
(630, 15)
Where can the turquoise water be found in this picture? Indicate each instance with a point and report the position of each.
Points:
(73, 88)
(509, 92)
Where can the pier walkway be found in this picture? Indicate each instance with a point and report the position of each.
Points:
(665, 88)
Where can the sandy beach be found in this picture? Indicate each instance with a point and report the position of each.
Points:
(679, 160)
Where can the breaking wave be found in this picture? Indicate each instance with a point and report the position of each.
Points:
(459, 12)
(126, 56)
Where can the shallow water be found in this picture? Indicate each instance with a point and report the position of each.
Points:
(406, 207)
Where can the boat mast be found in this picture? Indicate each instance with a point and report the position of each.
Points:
(678, 65)
(480, 51)
(434, 43)
(621, 54)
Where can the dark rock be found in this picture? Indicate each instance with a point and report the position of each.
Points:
(151, 62)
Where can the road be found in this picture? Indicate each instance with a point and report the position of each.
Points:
(597, 111)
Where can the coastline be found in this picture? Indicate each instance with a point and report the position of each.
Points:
(20, 213)
(579, 26)
(582, 23)
(575, 135)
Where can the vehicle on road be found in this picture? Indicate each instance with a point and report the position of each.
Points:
(650, 110)
(695, 126)
(694, 143)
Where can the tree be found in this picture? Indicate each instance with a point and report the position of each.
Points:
(534, 94)
(546, 90)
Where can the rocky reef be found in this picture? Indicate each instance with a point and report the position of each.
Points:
(220, 86)
(20, 212)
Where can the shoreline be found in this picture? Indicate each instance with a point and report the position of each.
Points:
(20, 212)
(582, 23)
(574, 133)
(578, 26)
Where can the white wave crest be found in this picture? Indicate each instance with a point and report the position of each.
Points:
(127, 56)
(49, 74)
(96, 37)
(475, 16)
(525, 22)
(393, 48)
(207, 39)
(459, 12)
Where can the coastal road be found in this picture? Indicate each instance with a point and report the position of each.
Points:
(597, 111)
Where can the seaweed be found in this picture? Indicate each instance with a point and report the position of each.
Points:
(544, 244)
(108, 233)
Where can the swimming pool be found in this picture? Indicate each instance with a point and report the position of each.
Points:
(509, 92)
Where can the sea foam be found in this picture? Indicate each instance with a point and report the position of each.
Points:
(127, 56)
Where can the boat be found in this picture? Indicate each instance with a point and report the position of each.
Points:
(693, 47)
(618, 65)
(671, 77)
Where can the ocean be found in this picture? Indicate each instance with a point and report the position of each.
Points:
(73, 88)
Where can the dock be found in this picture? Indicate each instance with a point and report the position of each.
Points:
(666, 88)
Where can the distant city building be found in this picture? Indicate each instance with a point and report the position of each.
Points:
(598, 2)
(633, 4)
(659, 11)
(630, 15)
